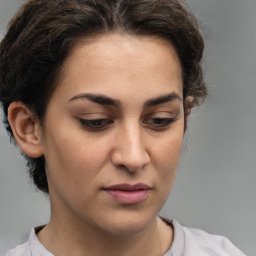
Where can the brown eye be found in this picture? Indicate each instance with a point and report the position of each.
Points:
(159, 122)
(95, 124)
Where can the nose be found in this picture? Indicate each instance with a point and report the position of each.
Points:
(130, 151)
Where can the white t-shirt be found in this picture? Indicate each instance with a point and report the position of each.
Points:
(187, 242)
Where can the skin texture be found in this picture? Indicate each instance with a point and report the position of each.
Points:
(126, 145)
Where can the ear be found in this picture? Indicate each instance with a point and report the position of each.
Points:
(26, 129)
(188, 105)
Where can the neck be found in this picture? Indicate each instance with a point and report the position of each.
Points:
(61, 239)
(68, 233)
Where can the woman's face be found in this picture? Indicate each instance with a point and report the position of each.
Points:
(113, 132)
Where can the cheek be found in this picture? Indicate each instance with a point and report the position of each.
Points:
(73, 160)
(166, 158)
(167, 153)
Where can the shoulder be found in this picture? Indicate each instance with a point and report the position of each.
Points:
(190, 241)
(31, 247)
(20, 250)
(210, 244)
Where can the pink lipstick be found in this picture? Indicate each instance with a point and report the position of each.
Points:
(128, 194)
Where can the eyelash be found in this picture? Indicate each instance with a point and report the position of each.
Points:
(102, 124)
(159, 123)
(95, 124)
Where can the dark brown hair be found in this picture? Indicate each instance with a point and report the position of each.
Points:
(41, 35)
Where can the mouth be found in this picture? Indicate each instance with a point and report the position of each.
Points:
(128, 194)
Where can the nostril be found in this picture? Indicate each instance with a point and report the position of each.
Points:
(123, 167)
(129, 152)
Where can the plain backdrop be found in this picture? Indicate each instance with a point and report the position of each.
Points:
(215, 188)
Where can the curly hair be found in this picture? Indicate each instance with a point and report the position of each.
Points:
(42, 33)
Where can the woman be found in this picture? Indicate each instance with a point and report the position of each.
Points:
(97, 95)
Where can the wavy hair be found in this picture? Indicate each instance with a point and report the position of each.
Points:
(42, 33)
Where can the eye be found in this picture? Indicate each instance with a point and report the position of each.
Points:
(95, 124)
(159, 122)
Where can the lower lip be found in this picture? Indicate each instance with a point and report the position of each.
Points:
(128, 197)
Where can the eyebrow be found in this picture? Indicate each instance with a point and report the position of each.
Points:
(98, 98)
(105, 100)
(162, 99)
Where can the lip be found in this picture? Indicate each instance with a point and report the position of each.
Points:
(128, 194)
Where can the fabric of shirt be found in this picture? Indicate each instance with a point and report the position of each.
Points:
(187, 242)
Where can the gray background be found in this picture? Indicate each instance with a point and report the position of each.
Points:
(215, 188)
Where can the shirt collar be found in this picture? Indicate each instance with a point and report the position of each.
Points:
(37, 249)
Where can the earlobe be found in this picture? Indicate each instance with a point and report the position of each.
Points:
(26, 129)
(188, 105)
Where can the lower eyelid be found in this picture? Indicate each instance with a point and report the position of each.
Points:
(167, 121)
(87, 124)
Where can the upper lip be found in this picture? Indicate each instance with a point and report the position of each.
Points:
(128, 187)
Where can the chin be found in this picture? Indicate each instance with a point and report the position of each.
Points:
(128, 224)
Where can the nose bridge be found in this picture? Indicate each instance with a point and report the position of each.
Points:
(131, 150)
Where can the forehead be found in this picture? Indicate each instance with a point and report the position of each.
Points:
(113, 63)
(118, 48)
